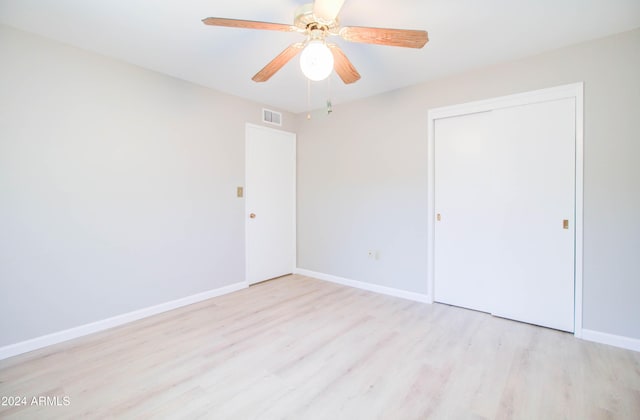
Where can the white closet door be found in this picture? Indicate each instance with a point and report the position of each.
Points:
(536, 158)
(464, 256)
(504, 184)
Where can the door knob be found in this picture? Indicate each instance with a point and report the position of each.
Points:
(252, 215)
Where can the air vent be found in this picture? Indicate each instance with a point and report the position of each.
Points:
(271, 117)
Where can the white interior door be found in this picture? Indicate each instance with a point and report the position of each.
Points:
(536, 159)
(270, 203)
(464, 258)
(504, 185)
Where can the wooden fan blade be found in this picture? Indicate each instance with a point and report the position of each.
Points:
(277, 63)
(327, 10)
(393, 37)
(248, 24)
(343, 66)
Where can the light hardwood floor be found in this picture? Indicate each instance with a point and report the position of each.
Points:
(299, 348)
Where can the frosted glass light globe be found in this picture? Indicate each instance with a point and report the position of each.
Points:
(316, 61)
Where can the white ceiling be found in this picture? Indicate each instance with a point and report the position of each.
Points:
(167, 36)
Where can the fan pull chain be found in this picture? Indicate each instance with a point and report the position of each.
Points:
(309, 99)
(329, 105)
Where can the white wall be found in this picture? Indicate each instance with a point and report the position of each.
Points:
(362, 176)
(117, 187)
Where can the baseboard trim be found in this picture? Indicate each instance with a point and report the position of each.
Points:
(612, 339)
(390, 291)
(105, 324)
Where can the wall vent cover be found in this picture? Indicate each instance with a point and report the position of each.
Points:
(271, 117)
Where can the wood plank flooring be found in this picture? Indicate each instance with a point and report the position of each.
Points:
(300, 348)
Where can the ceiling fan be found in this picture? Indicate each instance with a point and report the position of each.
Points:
(317, 21)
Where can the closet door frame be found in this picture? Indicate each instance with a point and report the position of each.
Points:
(574, 90)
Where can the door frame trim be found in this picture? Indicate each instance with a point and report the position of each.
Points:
(573, 90)
(294, 203)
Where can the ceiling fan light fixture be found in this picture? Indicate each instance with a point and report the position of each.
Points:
(316, 61)
(316, 21)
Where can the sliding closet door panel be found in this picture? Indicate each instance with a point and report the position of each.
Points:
(464, 260)
(535, 160)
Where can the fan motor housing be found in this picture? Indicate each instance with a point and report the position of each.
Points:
(306, 20)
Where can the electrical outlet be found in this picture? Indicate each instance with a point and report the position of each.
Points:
(373, 254)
